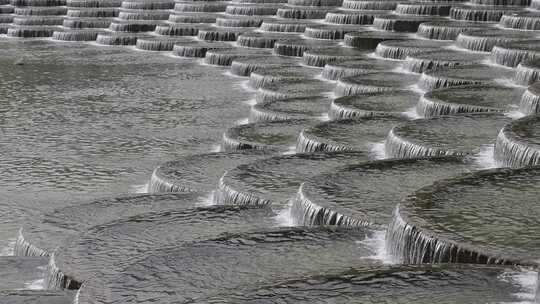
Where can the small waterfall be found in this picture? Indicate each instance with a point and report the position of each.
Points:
(479, 13)
(55, 279)
(429, 82)
(39, 20)
(257, 115)
(336, 72)
(201, 7)
(31, 31)
(178, 30)
(192, 18)
(76, 35)
(307, 213)
(408, 244)
(219, 34)
(338, 111)
(510, 151)
(156, 44)
(397, 147)
(92, 23)
(147, 5)
(25, 248)
(197, 50)
(301, 13)
(144, 15)
(328, 32)
(430, 108)
(527, 73)
(290, 49)
(160, 184)
(397, 51)
(93, 13)
(522, 21)
(117, 39)
(251, 10)
(430, 9)
(353, 18)
(283, 27)
(223, 57)
(226, 195)
(419, 65)
(324, 3)
(239, 21)
(347, 88)
(258, 41)
(308, 144)
(133, 26)
(398, 23)
(369, 40)
(530, 102)
(512, 54)
(370, 5)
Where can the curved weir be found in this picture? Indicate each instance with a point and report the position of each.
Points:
(463, 134)
(513, 53)
(47, 233)
(369, 40)
(360, 66)
(438, 224)
(475, 74)
(518, 143)
(400, 49)
(312, 107)
(391, 103)
(485, 40)
(420, 62)
(106, 249)
(293, 89)
(199, 172)
(346, 135)
(277, 136)
(527, 72)
(269, 77)
(468, 99)
(193, 271)
(365, 194)
(245, 66)
(374, 83)
(274, 181)
(322, 56)
(530, 101)
(447, 30)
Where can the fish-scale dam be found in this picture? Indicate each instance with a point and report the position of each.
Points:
(269, 151)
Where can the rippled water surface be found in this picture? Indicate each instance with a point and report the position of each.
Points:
(81, 121)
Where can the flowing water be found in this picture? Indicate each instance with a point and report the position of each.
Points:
(269, 151)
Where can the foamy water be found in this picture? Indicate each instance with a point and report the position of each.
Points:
(140, 188)
(377, 243)
(284, 217)
(411, 113)
(9, 248)
(378, 150)
(526, 279)
(485, 158)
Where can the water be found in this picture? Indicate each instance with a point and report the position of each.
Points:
(83, 123)
(494, 235)
(518, 143)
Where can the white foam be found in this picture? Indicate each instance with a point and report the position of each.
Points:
(284, 217)
(251, 102)
(485, 158)
(527, 281)
(140, 188)
(38, 284)
(401, 70)
(215, 148)
(378, 149)
(324, 117)
(290, 150)
(244, 85)
(208, 200)
(514, 114)
(377, 243)
(9, 249)
(415, 88)
(77, 295)
(411, 113)
(241, 121)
